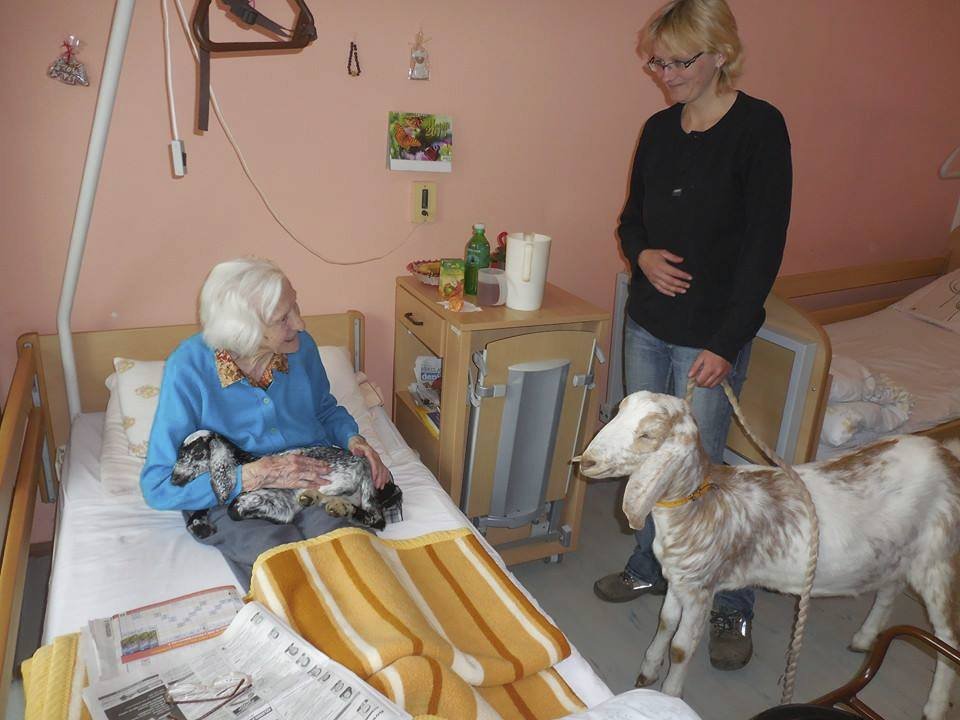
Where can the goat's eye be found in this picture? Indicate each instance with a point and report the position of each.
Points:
(644, 436)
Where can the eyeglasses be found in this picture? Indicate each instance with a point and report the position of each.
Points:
(658, 65)
(220, 692)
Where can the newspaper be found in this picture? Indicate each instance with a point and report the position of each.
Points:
(127, 643)
(425, 389)
(282, 677)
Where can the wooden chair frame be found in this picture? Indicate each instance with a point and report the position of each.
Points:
(846, 697)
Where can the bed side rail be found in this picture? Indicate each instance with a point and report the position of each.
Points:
(22, 433)
(857, 276)
(855, 291)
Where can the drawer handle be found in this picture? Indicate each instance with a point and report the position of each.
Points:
(409, 316)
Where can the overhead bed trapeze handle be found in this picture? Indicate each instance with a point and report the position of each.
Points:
(304, 32)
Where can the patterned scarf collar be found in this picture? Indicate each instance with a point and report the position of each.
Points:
(229, 372)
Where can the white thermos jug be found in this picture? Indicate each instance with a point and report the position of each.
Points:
(528, 256)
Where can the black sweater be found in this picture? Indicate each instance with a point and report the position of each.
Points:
(720, 199)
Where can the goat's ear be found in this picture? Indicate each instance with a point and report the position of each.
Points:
(223, 468)
(646, 486)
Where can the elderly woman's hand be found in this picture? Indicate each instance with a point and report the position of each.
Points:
(291, 471)
(358, 445)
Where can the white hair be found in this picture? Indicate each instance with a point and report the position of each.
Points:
(237, 301)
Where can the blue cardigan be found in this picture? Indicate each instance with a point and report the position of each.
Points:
(297, 410)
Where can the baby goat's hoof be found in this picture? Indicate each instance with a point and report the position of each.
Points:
(306, 498)
(644, 681)
(338, 507)
(201, 529)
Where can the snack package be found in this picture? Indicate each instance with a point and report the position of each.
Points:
(451, 282)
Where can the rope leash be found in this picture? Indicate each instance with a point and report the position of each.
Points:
(813, 544)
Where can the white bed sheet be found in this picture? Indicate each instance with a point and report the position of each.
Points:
(113, 554)
(919, 356)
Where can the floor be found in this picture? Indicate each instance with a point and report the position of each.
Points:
(613, 637)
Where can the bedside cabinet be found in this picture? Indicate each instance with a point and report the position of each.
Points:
(517, 402)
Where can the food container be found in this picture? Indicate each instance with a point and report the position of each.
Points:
(426, 271)
(451, 282)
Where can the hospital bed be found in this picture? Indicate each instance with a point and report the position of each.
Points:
(859, 317)
(112, 552)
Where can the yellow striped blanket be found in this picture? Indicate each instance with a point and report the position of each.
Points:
(432, 622)
(53, 680)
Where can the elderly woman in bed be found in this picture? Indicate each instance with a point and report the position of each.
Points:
(253, 375)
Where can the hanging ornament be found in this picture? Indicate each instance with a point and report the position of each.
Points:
(353, 61)
(67, 68)
(419, 58)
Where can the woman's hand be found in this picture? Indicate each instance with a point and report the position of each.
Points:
(709, 369)
(292, 471)
(658, 266)
(358, 445)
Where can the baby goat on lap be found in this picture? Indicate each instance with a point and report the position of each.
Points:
(889, 514)
(350, 491)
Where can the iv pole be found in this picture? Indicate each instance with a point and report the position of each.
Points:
(116, 47)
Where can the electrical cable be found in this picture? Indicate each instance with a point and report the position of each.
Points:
(169, 66)
(246, 169)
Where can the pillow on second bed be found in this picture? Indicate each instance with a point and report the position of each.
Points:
(937, 302)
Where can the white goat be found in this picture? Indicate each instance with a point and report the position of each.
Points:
(889, 514)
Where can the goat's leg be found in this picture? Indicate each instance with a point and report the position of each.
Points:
(877, 618)
(657, 650)
(695, 604)
(935, 583)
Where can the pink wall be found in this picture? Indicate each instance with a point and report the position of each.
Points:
(547, 96)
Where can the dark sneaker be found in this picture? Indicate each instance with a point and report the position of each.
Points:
(620, 587)
(731, 640)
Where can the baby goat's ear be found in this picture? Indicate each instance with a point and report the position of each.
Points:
(223, 468)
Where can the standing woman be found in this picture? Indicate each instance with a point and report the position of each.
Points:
(703, 230)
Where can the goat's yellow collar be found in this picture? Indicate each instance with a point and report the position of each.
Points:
(695, 495)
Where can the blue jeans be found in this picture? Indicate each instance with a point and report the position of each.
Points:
(651, 364)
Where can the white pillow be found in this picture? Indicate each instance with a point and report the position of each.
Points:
(347, 391)
(119, 470)
(937, 302)
(138, 387)
(842, 421)
(851, 380)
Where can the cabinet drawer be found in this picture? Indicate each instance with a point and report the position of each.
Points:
(421, 321)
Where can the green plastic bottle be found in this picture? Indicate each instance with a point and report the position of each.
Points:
(477, 256)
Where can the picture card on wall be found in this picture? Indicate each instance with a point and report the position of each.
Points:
(419, 141)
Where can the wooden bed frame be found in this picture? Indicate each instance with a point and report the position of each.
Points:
(36, 421)
(830, 292)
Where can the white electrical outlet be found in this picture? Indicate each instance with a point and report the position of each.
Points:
(424, 198)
